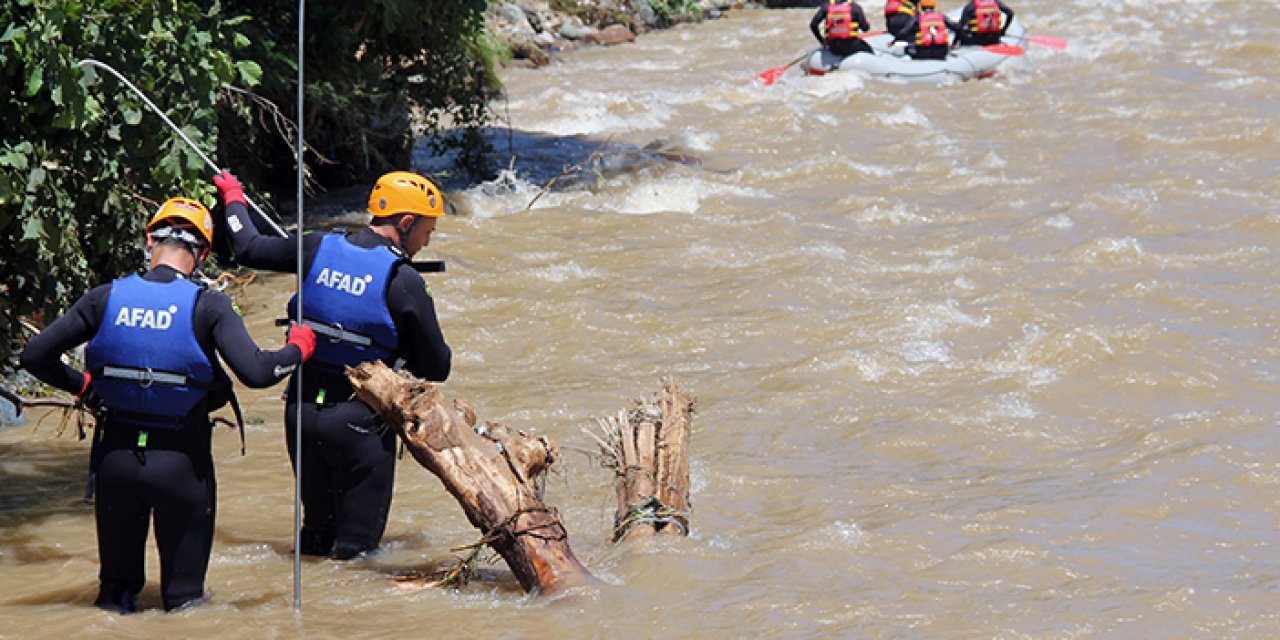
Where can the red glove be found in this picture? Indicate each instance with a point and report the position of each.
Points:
(302, 337)
(229, 188)
(85, 387)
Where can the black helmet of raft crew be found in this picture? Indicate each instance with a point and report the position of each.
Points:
(401, 192)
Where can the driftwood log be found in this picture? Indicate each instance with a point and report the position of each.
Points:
(490, 473)
(647, 446)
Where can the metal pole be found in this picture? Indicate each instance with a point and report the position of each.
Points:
(181, 134)
(297, 392)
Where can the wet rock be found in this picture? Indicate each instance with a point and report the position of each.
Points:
(532, 29)
(514, 17)
(573, 29)
(8, 414)
(526, 46)
(646, 15)
(613, 34)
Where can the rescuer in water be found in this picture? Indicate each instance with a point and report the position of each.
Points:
(366, 303)
(153, 378)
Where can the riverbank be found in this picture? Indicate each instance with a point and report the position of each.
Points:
(534, 32)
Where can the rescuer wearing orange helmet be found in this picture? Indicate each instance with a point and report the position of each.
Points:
(366, 303)
(153, 378)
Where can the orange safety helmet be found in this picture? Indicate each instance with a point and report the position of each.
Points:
(187, 210)
(405, 192)
(928, 4)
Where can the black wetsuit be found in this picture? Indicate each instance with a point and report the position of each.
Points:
(966, 37)
(896, 21)
(931, 52)
(842, 46)
(348, 465)
(166, 472)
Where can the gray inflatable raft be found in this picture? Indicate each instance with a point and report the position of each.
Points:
(892, 63)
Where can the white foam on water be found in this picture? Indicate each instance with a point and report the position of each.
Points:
(1060, 221)
(836, 84)
(849, 533)
(677, 196)
(1013, 405)
(565, 272)
(506, 194)
(1115, 250)
(925, 351)
(568, 113)
(908, 116)
(894, 215)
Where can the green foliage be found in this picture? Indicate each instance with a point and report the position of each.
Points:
(670, 9)
(369, 66)
(82, 165)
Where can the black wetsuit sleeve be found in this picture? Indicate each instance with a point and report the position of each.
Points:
(908, 31)
(966, 16)
(955, 28)
(861, 18)
(417, 327)
(258, 251)
(253, 366)
(817, 20)
(1008, 16)
(42, 357)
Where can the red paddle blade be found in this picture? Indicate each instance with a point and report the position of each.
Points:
(771, 76)
(1047, 41)
(1004, 49)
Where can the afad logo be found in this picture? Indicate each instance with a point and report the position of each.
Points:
(340, 281)
(138, 318)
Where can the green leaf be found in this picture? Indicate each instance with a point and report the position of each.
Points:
(35, 179)
(16, 157)
(250, 72)
(32, 229)
(35, 80)
(12, 32)
(132, 116)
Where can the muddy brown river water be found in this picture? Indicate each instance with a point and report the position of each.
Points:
(989, 360)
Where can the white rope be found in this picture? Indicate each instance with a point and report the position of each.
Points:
(181, 134)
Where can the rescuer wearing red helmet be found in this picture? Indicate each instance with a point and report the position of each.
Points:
(842, 23)
(926, 34)
(153, 378)
(366, 303)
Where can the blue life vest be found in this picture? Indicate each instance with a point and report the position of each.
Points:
(345, 302)
(146, 364)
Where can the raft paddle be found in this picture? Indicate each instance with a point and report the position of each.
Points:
(767, 78)
(771, 76)
(1047, 41)
(1004, 49)
(174, 127)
